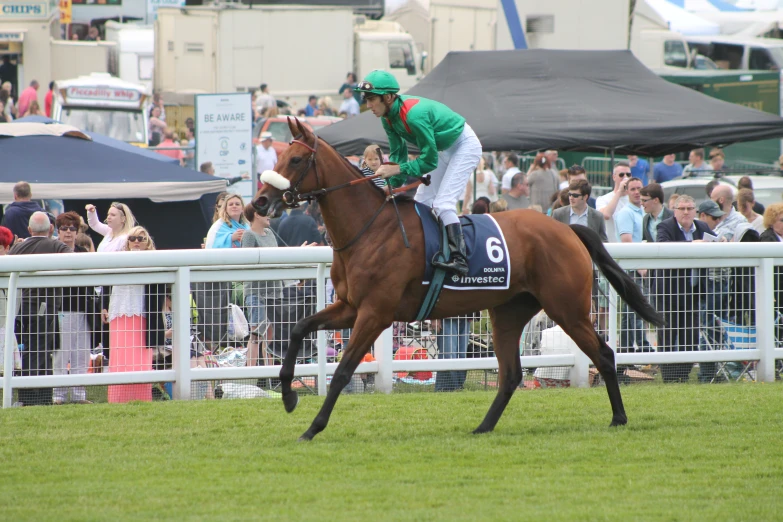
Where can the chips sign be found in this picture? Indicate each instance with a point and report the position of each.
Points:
(24, 10)
(103, 93)
(66, 11)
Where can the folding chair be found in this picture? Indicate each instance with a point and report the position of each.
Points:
(742, 338)
(713, 337)
(723, 334)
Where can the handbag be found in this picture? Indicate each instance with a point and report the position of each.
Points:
(238, 327)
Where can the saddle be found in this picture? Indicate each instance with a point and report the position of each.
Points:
(487, 253)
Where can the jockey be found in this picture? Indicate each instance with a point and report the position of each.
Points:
(450, 152)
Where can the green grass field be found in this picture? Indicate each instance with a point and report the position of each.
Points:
(688, 453)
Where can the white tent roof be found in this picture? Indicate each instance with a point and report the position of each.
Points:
(681, 20)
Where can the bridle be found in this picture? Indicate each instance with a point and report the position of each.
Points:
(293, 197)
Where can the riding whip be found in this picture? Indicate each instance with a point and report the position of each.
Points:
(397, 210)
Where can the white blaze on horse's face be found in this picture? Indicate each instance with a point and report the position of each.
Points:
(275, 179)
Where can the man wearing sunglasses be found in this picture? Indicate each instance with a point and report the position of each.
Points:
(578, 212)
(450, 152)
(613, 202)
(575, 173)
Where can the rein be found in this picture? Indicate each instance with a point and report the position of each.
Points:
(293, 197)
(364, 228)
(399, 190)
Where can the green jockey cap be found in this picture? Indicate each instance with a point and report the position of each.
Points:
(379, 82)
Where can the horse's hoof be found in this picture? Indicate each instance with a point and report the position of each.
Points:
(480, 430)
(306, 437)
(290, 401)
(622, 421)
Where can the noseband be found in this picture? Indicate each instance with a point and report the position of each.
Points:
(293, 197)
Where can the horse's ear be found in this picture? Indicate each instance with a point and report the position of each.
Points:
(302, 129)
(292, 125)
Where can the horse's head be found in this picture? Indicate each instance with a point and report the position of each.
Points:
(295, 173)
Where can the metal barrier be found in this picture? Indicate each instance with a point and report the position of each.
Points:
(599, 170)
(750, 167)
(718, 298)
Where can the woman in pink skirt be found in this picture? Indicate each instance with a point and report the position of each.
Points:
(135, 325)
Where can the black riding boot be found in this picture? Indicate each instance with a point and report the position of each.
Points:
(458, 261)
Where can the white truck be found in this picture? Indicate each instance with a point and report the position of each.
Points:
(132, 58)
(105, 105)
(567, 24)
(448, 25)
(297, 51)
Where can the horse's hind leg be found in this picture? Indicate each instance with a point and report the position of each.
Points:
(508, 320)
(366, 330)
(334, 316)
(588, 340)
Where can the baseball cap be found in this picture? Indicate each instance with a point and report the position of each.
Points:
(266, 136)
(710, 208)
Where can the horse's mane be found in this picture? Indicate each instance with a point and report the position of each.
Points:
(351, 166)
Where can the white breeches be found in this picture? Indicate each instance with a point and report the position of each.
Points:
(448, 180)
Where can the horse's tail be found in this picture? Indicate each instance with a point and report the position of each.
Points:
(617, 277)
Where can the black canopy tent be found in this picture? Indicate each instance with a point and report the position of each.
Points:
(590, 101)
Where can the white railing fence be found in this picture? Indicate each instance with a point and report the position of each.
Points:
(182, 269)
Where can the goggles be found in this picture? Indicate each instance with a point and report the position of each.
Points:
(365, 86)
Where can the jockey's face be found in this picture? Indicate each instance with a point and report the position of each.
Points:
(379, 105)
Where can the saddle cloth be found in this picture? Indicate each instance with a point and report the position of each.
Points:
(487, 251)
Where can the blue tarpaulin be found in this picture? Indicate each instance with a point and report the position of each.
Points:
(105, 140)
(63, 167)
(175, 204)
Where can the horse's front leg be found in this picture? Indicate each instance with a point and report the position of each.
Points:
(366, 330)
(335, 316)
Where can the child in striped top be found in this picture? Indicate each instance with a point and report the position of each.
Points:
(370, 164)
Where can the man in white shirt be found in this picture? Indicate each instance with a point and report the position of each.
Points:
(512, 168)
(264, 100)
(349, 107)
(266, 157)
(723, 195)
(697, 164)
(612, 202)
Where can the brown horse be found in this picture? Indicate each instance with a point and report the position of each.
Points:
(378, 280)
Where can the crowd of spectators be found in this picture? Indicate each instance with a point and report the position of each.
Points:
(131, 325)
(694, 302)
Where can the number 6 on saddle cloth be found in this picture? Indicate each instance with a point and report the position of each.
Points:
(487, 251)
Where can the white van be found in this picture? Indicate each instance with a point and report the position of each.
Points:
(105, 105)
(758, 54)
